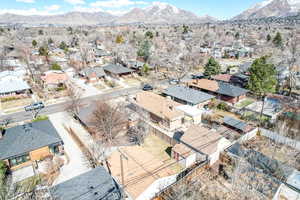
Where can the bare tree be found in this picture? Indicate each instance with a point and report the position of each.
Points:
(75, 96)
(109, 120)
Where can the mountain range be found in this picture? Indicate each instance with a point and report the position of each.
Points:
(161, 13)
(271, 8)
(156, 14)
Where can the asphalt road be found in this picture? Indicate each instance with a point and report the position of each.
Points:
(54, 108)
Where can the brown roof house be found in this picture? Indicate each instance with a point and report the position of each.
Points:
(162, 110)
(54, 78)
(198, 144)
(221, 90)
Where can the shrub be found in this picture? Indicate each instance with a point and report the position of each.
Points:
(6, 99)
(56, 66)
(223, 106)
(3, 170)
(40, 118)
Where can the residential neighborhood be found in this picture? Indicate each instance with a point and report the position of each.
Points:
(154, 104)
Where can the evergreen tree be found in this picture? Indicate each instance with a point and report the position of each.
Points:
(144, 50)
(149, 34)
(277, 41)
(212, 67)
(63, 46)
(262, 78)
(55, 66)
(43, 51)
(269, 38)
(34, 43)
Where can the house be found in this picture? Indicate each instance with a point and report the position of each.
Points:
(12, 85)
(222, 77)
(93, 185)
(188, 96)
(93, 74)
(117, 71)
(198, 144)
(221, 90)
(192, 114)
(22, 145)
(54, 78)
(162, 110)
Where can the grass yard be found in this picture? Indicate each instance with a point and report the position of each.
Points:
(244, 103)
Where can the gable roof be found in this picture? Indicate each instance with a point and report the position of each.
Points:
(158, 105)
(88, 72)
(25, 138)
(198, 138)
(187, 94)
(222, 77)
(93, 185)
(117, 69)
(12, 84)
(218, 87)
(54, 77)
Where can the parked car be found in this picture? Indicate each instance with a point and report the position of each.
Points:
(35, 106)
(147, 87)
(197, 76)
(174, 81)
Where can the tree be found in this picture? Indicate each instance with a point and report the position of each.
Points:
(63, 46)
(212, 67)
(277, 41)
(75, 99)
(237, 36)
(55, 66)
(185, 29)
(50, 41)
(144, 50)
(145, 69)
(269, 38)
(149, 34)
(109, 120)
(34, 43)
(262, 79)
(41, 32)
(119, 39)
(43, 51)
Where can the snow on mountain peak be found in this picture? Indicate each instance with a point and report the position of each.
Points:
(162, 6)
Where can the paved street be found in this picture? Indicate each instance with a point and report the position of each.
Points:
(21, 116)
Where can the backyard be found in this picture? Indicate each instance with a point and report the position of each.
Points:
(143, 164)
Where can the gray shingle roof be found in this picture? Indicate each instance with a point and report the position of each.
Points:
(25, 138)
(96, 184)
(89, 71)
(187, 94)
(12, 85)
(230, 90)
(240, 125)
(117, 69)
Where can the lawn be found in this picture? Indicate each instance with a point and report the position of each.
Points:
(244, 103)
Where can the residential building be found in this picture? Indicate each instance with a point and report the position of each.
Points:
(198, 144)
(95, 184)
(12, 85)
(188, 96)
(54, 78)
(22, 145)
(221, 90)
(117, 71)
(162, 110)
(93, 74)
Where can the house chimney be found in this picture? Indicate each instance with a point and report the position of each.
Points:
(1, 132)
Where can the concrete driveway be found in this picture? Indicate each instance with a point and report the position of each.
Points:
(77, 163)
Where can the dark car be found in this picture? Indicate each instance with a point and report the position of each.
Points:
(147, 87)
(35, 106)
(197, 76)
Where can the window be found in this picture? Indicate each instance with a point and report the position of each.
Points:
(54, 149)
(19, 160)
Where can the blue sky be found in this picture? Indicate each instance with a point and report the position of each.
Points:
(222, 9)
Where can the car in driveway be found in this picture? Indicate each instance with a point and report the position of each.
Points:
(147, 87)
(35, 106)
